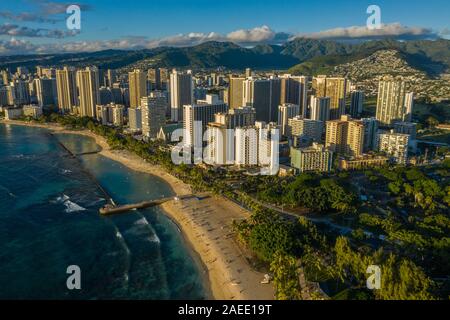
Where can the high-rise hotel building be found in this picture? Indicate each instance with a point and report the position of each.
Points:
(153, 110)
(135, 119)
(287, 111)
(356, 104)
(181, 93)
(197, 116)
(235, 92)
(264, 96)
(305, 128)
(221, 137)
(258, 145)
(238, 117)
(45, 92)
(320, 108)
(335, 89)
(88, 91)
(137, 81)
(370, 133)
(313, 158)
(345, 136)
(66, 87)
(394, 103)
(154, 77)
(294, 91)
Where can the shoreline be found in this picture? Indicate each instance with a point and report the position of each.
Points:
(202, 267)
(224, 266)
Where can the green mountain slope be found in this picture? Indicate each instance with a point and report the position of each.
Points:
(309, 56)
(431, 57)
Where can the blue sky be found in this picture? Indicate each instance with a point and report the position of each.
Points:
(39, 25)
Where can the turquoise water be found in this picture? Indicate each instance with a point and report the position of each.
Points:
(49, 220)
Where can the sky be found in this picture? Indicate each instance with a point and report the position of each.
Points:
(39, 26)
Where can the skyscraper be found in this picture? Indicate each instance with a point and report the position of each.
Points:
(181, 93)
(20, 92)
(5, 77)
(137, 87)
(246, 146)
(45, 92)
(268, 147)
(319, 85)
(102, 114)
(203, 111)
(356, 105)
(275, 98)
(370, 133)
(154, 77)
(409, 104)
(105, 95)
(110, 78)
(264, 96)
(45, 72)
(66, 88)
(235, 92)
(87, 83)
(221, 142)
(238, 117)
(3, 96)
(257, 146)
(308, 129)
(220, 145)
(320, 108)
(294, 90)
(135, 118)
(393, 102)
(313, 158)
(345, 136)
(287, 111)
(153, 110)
(164, 74)
(117, 115)
(335, 89)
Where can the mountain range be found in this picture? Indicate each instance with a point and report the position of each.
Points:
(301, 55)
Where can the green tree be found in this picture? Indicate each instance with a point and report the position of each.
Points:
(403, 280)
(270, 237)
(285, 276)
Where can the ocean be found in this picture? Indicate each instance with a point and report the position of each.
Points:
(49, 220)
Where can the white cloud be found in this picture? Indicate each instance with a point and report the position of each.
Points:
(393, 30)
(16, 46)
(253, 36)
(258, 34)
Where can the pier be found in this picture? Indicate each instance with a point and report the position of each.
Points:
(108, 198)
(112, 209)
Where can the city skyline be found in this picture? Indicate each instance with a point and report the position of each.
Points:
(35, 26)
(255, 167)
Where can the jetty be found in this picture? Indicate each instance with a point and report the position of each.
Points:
(111, 208)
(73, 155)
(116, 209)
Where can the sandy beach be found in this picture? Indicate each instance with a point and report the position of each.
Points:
(205, 222)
